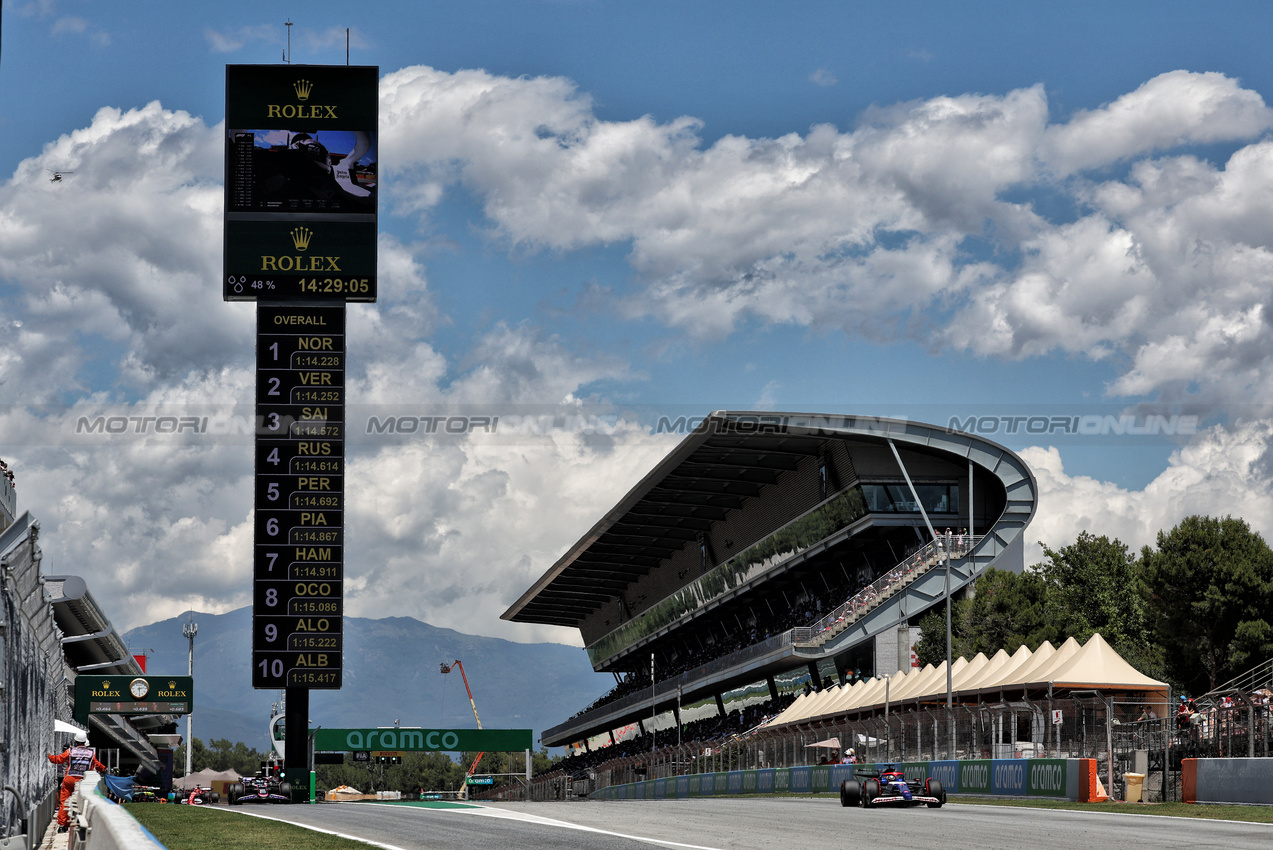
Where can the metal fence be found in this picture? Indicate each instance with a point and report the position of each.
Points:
(1119, 734)
(32, 691)
(1124, 733)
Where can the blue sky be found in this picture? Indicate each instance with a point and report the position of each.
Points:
(916, 209)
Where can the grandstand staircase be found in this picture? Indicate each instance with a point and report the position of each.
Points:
(913, 577)
(1255, 679)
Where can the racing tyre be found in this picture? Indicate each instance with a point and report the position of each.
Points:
(870, 790)
(285, 788)
(233, 792)
(850, 792)
(933, 788)
(213, 798)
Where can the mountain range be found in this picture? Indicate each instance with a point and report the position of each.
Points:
(392, 673)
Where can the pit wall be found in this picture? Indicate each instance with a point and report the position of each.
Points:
(1060, 779)
(1227, 781)
(100, 824)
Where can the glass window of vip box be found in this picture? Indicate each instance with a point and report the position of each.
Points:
(940, 498)
(301, 180)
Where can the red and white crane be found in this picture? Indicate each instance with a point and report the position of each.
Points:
(446, 668)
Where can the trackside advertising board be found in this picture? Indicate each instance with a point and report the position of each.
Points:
(1008, 777)
(424, 740)
(1055, 778)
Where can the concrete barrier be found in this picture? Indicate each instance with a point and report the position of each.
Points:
(103, 825)
(1227, 781)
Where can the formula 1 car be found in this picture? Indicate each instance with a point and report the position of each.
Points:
(259, 789)
(887, 786)
(198, 797)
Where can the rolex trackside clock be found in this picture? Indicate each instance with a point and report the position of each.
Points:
(138, 688)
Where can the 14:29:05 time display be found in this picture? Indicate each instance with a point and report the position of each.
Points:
(336, 285)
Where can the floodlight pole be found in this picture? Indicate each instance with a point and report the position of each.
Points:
(189, 630)
(653, 708)
(949, 693)
(678, 715)
(888, 729)
(938, 541)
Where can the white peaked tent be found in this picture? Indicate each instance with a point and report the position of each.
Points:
(204, 778)
(1072, 667)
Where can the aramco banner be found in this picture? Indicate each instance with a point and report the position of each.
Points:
(424, 740)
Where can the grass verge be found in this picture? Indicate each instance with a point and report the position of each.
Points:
(198, 828)
(1206, 811)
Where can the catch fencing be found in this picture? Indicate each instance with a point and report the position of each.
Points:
(1124, 733)
(1122, 736)
(34, 692)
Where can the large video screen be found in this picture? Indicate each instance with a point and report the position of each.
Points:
(301, 183)
(299, 171)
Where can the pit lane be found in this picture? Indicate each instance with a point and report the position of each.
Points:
(758, 824)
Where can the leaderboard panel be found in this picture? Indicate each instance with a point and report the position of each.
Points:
(298, 562)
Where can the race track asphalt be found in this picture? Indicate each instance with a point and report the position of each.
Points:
(759, 824)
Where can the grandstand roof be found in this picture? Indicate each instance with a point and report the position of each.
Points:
(715, 470)
(710, 473)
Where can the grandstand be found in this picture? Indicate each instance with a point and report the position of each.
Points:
(770, 555)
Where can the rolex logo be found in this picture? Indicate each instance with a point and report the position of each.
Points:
(303, 88)
(297, 263)
(105, 684)
(172, 686)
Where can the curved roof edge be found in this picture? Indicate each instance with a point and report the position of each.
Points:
(1018, 480)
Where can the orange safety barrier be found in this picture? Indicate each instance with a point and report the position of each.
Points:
(1091, 789)
(1189, 780)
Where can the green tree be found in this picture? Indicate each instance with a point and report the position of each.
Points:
(1092, 585)
(1006, 610)
(198, 757)
(219, 754)
(222, 754)
(1210, 599)
(1096, 585)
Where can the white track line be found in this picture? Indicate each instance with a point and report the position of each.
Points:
(318, 829)
(490, 812)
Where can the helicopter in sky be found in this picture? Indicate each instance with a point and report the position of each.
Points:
(57, 175)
